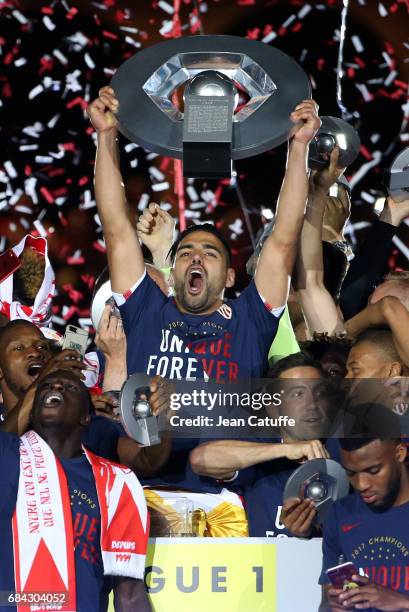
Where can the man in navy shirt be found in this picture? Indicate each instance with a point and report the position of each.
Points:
(60, 415)
(265, 466)
(370, 527)
(25, 358)
(197, 334)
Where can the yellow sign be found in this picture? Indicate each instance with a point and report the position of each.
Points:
(207, 577)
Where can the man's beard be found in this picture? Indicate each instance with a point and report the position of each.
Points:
(391, 496)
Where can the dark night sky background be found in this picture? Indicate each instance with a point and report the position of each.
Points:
(56, 56)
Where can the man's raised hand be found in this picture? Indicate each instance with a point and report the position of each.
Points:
(102, 111)
(155, 229)
(307, 112)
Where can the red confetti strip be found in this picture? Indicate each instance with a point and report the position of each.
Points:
(98, 247)
(69, 146)
(253, 34)
(364, 151)
(72, 12)
(73, 294)
(76, 261)
(70, 313)
(88, 280)
(47, 195)
(109, 35)
(76, 101)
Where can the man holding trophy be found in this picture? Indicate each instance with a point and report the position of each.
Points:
(197, 334)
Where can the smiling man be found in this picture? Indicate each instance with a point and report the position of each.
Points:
(265, 466)
(45, 476)
(198, 334)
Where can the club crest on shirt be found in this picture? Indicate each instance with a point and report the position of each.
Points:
(226, 311)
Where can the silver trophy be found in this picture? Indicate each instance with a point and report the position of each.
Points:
(136, 414)
(323, 481)
(180, 98)
(397, 177)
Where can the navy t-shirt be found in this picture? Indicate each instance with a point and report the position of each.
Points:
(376, 542)
(226, 345)
(263, 493)
(101, 437)
(92, 587)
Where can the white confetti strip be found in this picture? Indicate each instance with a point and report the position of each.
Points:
(60, 56)
(160, 186)
(382, 10)
(130, 147)
(401, 246)
(35, 92)
(21, 18)
(192, 193)
(165, 6)
(376, 158)
(50, 25)
(51, 124)
(156, 173)
(43, 159)
(10, 169)
(390, 78)
(40, 228)
(89, 61)
(269, 37)
(131, 41)
(143, 202)
(356, 41)
(304, 11)
(367, 197)
(15, 197)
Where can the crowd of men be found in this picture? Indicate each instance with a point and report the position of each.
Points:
(332, 340)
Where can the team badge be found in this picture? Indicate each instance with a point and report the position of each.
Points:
(225, 311)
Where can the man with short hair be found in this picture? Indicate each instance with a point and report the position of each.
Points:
(68, 545)
(266, 466)
(374, 355)
(198, 334)
(370, 528)
(25, 359)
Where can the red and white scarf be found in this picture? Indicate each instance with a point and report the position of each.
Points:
(40, 312)
(42, 523)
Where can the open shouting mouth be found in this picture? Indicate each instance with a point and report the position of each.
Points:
(52, 399)
(35, 368)
(195, 280)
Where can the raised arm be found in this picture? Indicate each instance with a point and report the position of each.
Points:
(124, 253)
(388, 311)
(319, 308)
(371, 260)
(278, 254)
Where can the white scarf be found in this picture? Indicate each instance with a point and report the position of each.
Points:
(40, 312)
(42, 523)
